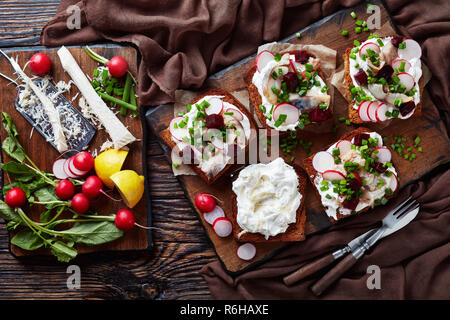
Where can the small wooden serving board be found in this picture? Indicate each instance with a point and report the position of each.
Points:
(43, 154)
(327, 32)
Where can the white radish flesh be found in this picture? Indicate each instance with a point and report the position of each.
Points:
(322, 161)
(177, 132)
(370, 45)
(411, 51)
(74, 170)
(119, 134)
(333, 175)
(216, 213)
(407, 80)
(246, 252)
(393, 182)
(262, 59)
(371, 109)
(58, 169)
(344, 146)
(362, 111)
(215, 137)
(215, 107)
(236, 113)
(223, 227)
(398, 62)
(383, 155)
(291, 112)
(67, 170)
(380, 112)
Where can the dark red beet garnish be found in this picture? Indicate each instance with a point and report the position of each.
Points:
(354, 184)
(351, 204)
(319, 115)
(361, 78)
(385, 72)
(407, 107)
(291, 81)
(214, 121)
(396, 40)
(378, 166)
(359, 138)
(301, 56)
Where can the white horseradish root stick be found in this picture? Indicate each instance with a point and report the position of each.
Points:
(119, 134)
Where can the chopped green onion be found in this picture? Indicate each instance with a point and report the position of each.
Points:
(353, 14)
(344, 33)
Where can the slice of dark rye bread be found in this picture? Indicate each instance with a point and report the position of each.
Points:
(353, 113)
(312, 172)
(167, 137)
(295, 231)
(256, 100)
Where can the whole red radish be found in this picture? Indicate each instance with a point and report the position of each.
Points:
(92, 187)
(40, 63)
(65, 189)
(205, 202)
(117, 66)
(124, 220)
(80, 203)
(15, 198)
(83, 161)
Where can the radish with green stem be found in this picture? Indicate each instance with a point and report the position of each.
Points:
(92, 188)
(15, 198)
(65, 189)
(40, 63)
(80, 203)
(117, 65)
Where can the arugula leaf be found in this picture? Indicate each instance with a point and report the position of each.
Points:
(9, 125)
(47, 194)
(17, 169)
(13, 149)
(8, 214)
(92, 233)
(63, 252)
(27, 239)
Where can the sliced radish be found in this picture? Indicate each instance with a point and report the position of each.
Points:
(332, 175)
(294, 69)
(247, 251)
(178, 133)
(262, 59)
(393, 182)
(371, 46)
(215, 137)
(58, 169)
(216, 213)
(74, 170)
(236, 113)
(397, 62)
(407, 80)
(371, 109)
(215, 107)
(67, 171)
(384, 155)
(380, 112)
(322, 161)
(411, 51)
(222, 227)
(344, 146)
(289, 110)
(362, 110)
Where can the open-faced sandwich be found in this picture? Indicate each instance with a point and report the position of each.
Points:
(287, 90)
(209, 134)
(353, 174)
(383, 78)
(268, 203)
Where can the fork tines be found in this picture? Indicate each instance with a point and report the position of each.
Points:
(406, 206)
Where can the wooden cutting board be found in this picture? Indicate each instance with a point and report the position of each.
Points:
(43, 154)
(327, 31)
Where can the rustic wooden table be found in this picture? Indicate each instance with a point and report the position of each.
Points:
(169, 271)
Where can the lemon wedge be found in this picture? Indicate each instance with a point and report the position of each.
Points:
(130, 186)
(108, 163)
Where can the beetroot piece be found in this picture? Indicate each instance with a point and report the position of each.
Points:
(361, 78)
(301, 56)
(354, 184)
(378, 166)
(291, 81)
(359, 138)
(385, 72)
(407, 107)
(351, 204)
(396, 40)
(214, 121)
(319, 115)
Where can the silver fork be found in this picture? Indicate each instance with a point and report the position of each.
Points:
(399, 217)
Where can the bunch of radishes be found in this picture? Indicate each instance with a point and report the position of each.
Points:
(215, 216)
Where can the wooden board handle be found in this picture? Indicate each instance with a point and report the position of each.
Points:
(331, 276)
(308, 269)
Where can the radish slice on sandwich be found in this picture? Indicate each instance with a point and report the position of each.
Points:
(384, 155)
(344, 146)
(362, 111)
(216, 213)
(371, 110)
(396, 64)
(333, 175)
(215, 137)
(322, 161)
(215, 106)
(262, 59)
(411, 51)
(380, 112)
(236, 113)
(369, 46)
(393, 182)
(175, 130)
(290, 111)
(246, 252)
(407, 80)
(222, 227)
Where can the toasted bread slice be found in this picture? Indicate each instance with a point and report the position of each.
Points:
(167, 137)
(295, 232)
(312, 172)
(353, 113)
(256, 100)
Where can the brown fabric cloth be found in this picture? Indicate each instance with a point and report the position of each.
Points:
(181, 42)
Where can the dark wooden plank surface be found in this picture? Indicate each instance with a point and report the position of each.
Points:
(169, 271)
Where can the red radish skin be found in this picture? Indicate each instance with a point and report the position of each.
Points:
(344, 146)
(384, 155)
(65, 189)
(67, 170)
(205, 202)
(74, 170)
(380, 112)
(397, 62)
(236, 114)
(294, 69)
(117, 66)
(371, 46)
(394, 182)
(407, 80)
(332, 175)
(222, 227)
(124, 220)
(92, 188)
(371, 109)
(215, 107)
(15, 198)
(40, 63)
(291, 112)
(246, 252)
(322, 161)
(58, 169)
(362, 111)
(83, 161)
(216, 213)
(80, 203)
(262, 59)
